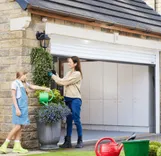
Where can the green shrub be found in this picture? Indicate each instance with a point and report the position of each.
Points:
(153, 150)
(155, 143)
(159, 151)
(41, 61)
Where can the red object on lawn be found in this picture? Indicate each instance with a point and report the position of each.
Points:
(109, 149)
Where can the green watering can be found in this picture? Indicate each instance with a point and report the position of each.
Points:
(44, 98)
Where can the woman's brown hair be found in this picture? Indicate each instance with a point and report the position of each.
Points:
(76, 60)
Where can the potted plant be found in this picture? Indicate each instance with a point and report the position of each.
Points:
(48, 118)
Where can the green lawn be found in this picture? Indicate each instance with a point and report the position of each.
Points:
(70, 153)
(67, 153)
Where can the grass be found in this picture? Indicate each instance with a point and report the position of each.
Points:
(67, 153)
(71, 153)
(122, 153)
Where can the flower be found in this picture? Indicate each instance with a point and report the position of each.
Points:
(51, 113)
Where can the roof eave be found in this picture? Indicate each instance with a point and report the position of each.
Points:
(89, 19)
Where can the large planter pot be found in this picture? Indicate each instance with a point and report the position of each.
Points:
(48, 135)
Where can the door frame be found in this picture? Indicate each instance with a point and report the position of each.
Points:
(157, 94)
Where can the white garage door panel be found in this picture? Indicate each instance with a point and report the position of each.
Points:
(140, 113)
(110, 112)
(96, 77)
(110, 81)
(69, 46)
(141, 81)
(141, 95)
(110, 93)
(85, 112)
(125, 113)
(85, 87)
(96, 112)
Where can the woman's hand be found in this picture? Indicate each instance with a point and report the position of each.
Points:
(18, 112)
(51, 72)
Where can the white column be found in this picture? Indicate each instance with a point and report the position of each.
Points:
(157, 94)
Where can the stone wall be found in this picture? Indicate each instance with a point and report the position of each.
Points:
(15, 47)
(29, 135)
(11, 57)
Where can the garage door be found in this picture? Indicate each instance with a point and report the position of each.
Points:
(116, 96)
(70, 46)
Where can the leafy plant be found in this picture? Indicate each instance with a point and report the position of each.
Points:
(155, 143)
(159, 151)
(58, 99)
(41, 62)
(55, 111)
(51, 113)
(153, 150)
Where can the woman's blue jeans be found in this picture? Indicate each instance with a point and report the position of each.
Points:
(75, 106)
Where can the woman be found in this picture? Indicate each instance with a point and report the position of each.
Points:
(72, 83)
(19, 111)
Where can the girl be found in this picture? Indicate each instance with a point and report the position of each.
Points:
(19, 111)
(72, 84)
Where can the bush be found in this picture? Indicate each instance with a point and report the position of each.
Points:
(159, 151)
(153, 150)
(155, 143)
(41, 61)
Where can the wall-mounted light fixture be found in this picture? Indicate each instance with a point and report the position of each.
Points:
(43, 38)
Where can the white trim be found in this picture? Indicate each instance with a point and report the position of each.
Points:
(52, 28)
(20, 23)
(157, 94)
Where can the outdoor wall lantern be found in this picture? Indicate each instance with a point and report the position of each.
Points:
(43, 38)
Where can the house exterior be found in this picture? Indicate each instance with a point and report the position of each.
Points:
(119, 43)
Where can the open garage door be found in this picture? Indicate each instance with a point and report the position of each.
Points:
(70, 46)
(119, 94)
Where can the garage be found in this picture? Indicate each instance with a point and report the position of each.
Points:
(118, 88)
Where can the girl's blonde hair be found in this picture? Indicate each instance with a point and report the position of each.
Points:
(18, 76)
(20, 73)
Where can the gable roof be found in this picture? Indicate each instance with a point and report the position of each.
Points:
(135, 14)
